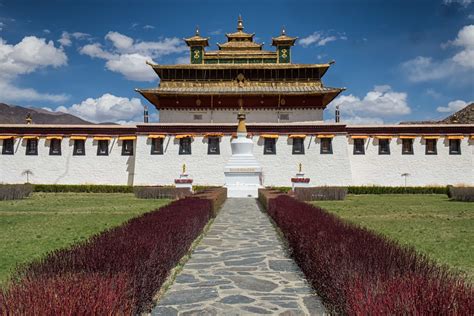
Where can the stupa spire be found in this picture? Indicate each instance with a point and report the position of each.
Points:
(240, 24)
(241, 128)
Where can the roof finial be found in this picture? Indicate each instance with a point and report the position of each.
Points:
(197, 30)
(240, 24)
(283, 31)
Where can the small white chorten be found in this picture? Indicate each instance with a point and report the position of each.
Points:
(243, 173)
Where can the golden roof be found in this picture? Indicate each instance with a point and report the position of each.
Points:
(283, 39)
(197, 39)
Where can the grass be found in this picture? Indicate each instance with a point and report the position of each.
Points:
(32, 227)
(434, 225)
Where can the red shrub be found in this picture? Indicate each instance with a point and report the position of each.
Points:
(125, 265)
(358, 272)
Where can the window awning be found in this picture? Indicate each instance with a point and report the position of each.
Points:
(7, 136)
(359, 136)
(297, 136)
(213, 134)
(102, 137)
(78, 137)
(184, 136)
(472, 136)
(54, 137)
(30, 136)
(131, 137)
(156, 136)
(325, 136)
(383, 136)
(455, 137)
(407, 136)
(431, 136)
(269, 135)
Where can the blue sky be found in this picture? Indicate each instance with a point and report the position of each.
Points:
(399, 60)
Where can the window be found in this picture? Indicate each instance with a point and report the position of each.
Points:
(127, 147)
(407, 146)
(326, 145)
(213, 146)
(298, 146)
(79, 147)
(269, 146)
(55, 147)
(454, 146)
(197, 117)
(384, 146)
(185, 146)
(430, 147)
(7, 148)
(359, 148)
(285, 117)
(32, 147)
(102, 147)
(157, 146)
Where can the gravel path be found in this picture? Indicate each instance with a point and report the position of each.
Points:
(240, 268)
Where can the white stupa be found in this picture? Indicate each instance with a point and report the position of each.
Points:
(243, 173)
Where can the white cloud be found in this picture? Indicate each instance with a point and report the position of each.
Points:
(128, 56)
(319, 39)
(216, 32)
(453, 106)
(1, 25)
(66, 37)
(380, 103)
(11, 93)
(463, 3)
(470, 16)
(107, 108)
(132, 66)
(423, 68)
(25, 57)
(148, 27)
(432, 93)
(183, 60)
(46, 31)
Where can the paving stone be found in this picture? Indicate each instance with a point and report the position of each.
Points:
(237, 299)
(256, 310)
(189, 296)
(241, 267)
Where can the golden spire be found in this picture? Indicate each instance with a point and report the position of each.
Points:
(241, 128)
(240, 24)
(283, 31)
(197, 30)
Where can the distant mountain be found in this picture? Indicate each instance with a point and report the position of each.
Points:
(14, 114)
(463, 116)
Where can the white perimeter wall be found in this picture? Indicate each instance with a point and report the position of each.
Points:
(424, 170)
(228, 116)
(68, 169)
(339, 168)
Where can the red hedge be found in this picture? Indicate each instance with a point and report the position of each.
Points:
(115, 272)
(358, 272)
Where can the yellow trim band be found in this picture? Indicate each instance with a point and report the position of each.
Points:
(153, 136)
(297, 136)
(30, 137)
(127, 137)
(54, 137)
(6, 137)
(359, 136)
(383, 136)
(407, 137)
(455, 137)
(102, 138)
(431, 136)
(78, 137)
(269, 136)
(184, 136)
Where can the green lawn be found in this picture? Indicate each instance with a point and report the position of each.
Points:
(434, 225)
(32, 227)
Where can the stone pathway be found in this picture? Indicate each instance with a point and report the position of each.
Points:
(240, 268)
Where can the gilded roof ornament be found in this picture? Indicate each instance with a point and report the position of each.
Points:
(240, 24)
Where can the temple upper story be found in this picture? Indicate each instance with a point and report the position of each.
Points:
(215, 84)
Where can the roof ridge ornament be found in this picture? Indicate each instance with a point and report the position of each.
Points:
(197, 30)
(240, 24)
(283, 31)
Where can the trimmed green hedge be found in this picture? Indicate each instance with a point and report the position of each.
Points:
(384, 190)
(88, 188)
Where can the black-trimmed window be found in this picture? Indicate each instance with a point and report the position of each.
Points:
(79, 147)
(185, 146)
(31, 147)
(407, 146)
(384, 146)
(359, 146)
(326, 145)
(269, 146)
(430, 147)
(213, 146)
(454, 146)
(55, 147)
(102, 147)
(127, 147)
(157, 146)
(7, 148)
(298, 146)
